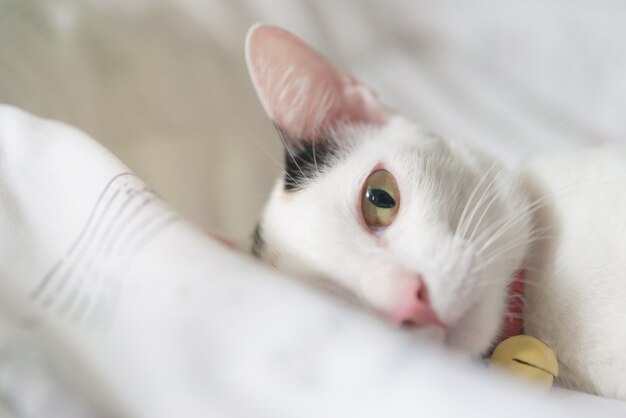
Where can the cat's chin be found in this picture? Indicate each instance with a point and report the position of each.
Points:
(456, 340)
(475, 333)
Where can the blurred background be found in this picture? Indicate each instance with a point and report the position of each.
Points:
(163, 83)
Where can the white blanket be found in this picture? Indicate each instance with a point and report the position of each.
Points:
(112, 304)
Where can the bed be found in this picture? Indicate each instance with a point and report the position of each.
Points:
(115, 302)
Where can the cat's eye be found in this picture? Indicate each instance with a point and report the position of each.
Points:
(380, 199)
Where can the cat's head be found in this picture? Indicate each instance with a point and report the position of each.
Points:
(425, 231)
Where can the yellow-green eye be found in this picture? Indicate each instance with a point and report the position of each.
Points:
(380, 200)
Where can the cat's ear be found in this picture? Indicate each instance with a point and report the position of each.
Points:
(300, 91)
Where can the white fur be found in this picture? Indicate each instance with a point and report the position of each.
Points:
(577, 297)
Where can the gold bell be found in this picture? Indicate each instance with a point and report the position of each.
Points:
(529, 357)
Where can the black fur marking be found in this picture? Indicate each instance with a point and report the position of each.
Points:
(258, 243)
(305, 164)
(304, 161)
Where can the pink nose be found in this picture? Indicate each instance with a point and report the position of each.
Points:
(413, 306)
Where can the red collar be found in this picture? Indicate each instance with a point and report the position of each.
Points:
(513, 321)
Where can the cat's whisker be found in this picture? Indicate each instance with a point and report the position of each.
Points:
(507, 246)
(317, 171)
(487, 281)
(501, 257)
(537, 235)
(288, 150)
(497, 283)
(506, 226)
(479, 203)
(484, 214)
(462, 219)
(469, 201)
(527, 269)
(479, 268)
(258, 144)
(498, 257)
(524, 214)
(507, 222)
(539, 203)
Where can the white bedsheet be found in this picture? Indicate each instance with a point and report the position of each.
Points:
(112, 304)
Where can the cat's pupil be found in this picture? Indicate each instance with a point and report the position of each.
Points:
(380, 198)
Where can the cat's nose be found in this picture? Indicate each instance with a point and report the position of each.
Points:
(413, 307)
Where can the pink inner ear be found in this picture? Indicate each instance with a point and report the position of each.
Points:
(300, 90)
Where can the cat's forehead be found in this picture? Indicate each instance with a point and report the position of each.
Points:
(350, 151)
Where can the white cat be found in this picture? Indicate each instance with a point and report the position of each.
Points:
(430, 232)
